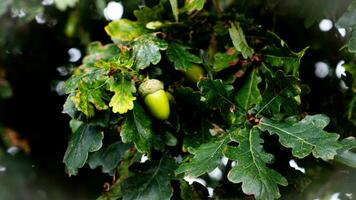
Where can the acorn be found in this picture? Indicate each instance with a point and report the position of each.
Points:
(155, 98)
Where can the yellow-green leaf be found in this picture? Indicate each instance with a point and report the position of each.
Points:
(122, 101)
(124, 30)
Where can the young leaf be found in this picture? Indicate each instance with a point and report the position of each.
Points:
(174, 5)
(289, 63)
(239, 41)
(192, 5)
(85, 139)
(249, 94)
(122, 101)
(305, 137)
(146, 50)
(216, 93)
(124, 30)
(137, 129)
(251, 169)
(86, 98)
(152, 182)
(108, 157)
(206, 158)
(181, 57)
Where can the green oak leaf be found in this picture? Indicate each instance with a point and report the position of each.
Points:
(86, 98)
(151, 181)
(124, 30)
(206, 158)
(181, 57)
(251, 169)
(249, 94)
(137, 129)
(193, 5)
(87, 76)
(146, 50)
(216, 94)
(109, 157)
(238, 39)
(305, 137)
(85, 139)
(123, 87)
(279, 96)
(288, 62)
(97, 51)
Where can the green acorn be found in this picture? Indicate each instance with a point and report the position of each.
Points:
(155, 98)
(195, 73)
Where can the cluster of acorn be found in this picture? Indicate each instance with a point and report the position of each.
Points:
(156, 99)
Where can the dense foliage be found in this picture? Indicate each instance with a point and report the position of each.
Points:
(251, 90)
(236, 100)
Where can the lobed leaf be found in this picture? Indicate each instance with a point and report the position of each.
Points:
(251, 169)
(87, 98)
(85, 139)
(305, 137)
(216, 93)
(279, 96)
(137, 129)
(152, 182)
(181, 57)
(238, 39)
(123, 100)
(109, 157)
(289, 62)
(146, 50)
(206, 158)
